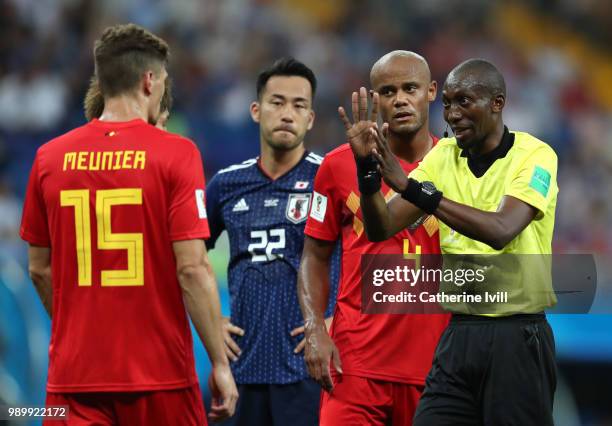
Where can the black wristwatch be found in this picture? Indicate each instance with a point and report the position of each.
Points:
(424, 195)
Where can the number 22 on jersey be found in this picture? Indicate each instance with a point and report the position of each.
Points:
(264, 243)
(107, 240)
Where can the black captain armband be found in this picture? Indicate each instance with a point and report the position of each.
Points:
(368, 175)
(423, 195)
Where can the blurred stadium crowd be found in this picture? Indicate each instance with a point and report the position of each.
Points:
(555, 56)
(218, 47)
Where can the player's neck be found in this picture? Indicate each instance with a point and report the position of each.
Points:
(412, 147)
(276, 162)
(124, 108)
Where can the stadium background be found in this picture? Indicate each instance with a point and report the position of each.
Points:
(555, 56)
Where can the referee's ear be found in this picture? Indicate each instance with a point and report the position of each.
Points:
(255, 109)
(498, 103)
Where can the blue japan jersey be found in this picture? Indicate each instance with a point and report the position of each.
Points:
(265, 222)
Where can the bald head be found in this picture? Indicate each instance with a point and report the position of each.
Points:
(403, 83)
(411, 62)
(478, 74)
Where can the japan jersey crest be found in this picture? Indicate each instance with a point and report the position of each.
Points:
(297, 207)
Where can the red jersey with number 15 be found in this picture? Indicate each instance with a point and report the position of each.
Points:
(109, 199)
(390, 347)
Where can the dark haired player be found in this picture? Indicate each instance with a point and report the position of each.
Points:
(379, 361)
(115, 217)
(263, 204)
(495, 192)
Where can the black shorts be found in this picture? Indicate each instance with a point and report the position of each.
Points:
(491, 371)
(294, 404)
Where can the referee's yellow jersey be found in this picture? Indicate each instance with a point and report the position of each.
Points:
(527, 171)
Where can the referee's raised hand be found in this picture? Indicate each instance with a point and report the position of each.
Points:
(358, 131)
(388, 165)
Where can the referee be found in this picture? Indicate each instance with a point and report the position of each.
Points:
(500, 194)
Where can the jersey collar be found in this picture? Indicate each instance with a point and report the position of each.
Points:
(267, 176)
(479, 164)
(118, 124)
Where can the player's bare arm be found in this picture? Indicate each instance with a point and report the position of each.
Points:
(313, 293)
(495, 229)
(201, 297)
(301, 329)
(39, 267)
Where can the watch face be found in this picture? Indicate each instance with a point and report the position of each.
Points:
(429, 188)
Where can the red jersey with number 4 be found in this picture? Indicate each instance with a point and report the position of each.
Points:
(390, 347)
(109, 199)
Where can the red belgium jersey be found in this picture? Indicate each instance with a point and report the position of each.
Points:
(109, 199)
(390, 347)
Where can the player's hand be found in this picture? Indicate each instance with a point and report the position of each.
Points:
(224, 393)
(318, 352)
(388, 165)
(232, 349)
(358, 132)
(300, 330)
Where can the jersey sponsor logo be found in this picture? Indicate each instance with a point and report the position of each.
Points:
(319, 206)
(199, 194)
(297, 207)
(301, 184)
(271, 202)
(540, 180)
(241, 206)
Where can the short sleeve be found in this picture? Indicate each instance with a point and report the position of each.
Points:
(324, 220)
(214, 210)
(187, 218)
(535, 181)
(34, 225)
(426, 171)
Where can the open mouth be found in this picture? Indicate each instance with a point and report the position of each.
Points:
(460, 132)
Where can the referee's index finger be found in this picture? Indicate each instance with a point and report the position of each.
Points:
(378, 140)
(381, 140)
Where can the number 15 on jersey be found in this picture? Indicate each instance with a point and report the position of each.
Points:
(107, 240)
